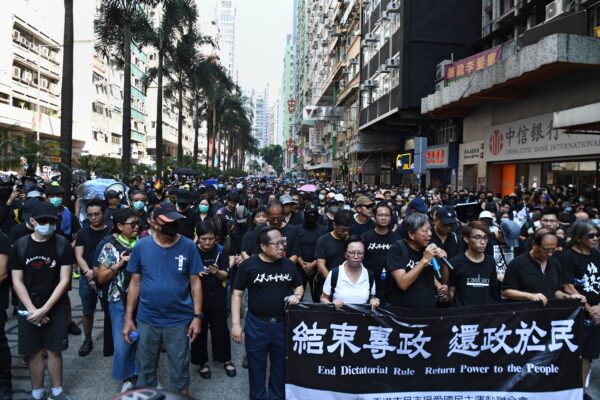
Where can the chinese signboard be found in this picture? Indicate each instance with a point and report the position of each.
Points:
(503, 351)
(471, 152)
(472, 64)
(535, 138)
(322, 113)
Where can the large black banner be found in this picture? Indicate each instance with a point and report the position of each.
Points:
(520, 351)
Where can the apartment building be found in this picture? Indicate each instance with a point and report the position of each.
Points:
(225, 18)
(527, 97)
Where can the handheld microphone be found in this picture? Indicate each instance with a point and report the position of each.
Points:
(436, 268)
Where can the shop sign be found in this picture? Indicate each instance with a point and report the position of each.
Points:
(472, 64)
(322, 113)
(471, 152)
(441, 156)
(404, 163)
(533, 138)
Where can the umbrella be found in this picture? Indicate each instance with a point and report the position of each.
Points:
(212, 181)
(185, 171)
(94, 189)
(308, 188)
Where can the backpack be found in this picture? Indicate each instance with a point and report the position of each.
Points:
(23, 243)
(334, 278)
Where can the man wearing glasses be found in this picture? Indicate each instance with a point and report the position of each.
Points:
(271, 280)
(536, 275)
(549, 220)
(41, 265)
(473, 280)
(85, 250)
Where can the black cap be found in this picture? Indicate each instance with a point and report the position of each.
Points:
(447, 215)
(28, 206)
(310, 207)
(167, 212)
(44, 210)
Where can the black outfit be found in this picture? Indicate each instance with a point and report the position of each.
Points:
(525, 274)
(422, 293)
(308, 235)
(331, 250)
(295, 218)
(153, 199)
(5, 356)
(89, 239)
(453, 246)
(475, 283)
(376, 258)
(582, 271)
(187, 227)
(288, 232)
(214, 307)
(18, 231)
(41, 275)
(359, 229)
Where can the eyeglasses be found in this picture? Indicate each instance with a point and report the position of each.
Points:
(480, 238)
(133, 223)
(278, 243)
(356, 253)
(274, 218)
(44, 221)
(593, 236)
(548, 250)
(369, 206)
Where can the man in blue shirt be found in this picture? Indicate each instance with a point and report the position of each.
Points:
(164, 266)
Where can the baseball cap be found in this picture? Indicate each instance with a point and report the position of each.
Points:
(447, 215)
(339, 197)
(28, 206)
(363, 201)
(510, 230)
(184, 196)
(286, 199)
(310, 207)
(44, 210)
(418, 204)
(33, 193)
(486, 214)
(166, 212)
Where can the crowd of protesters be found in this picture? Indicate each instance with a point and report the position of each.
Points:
(168, 262)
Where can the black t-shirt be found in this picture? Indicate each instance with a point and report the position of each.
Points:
(41, 267)
(18, 231)
(89, 239)
(237, 239)
(475, 283)
(331, 250)
(377, 249)
(187, 226)
(453, 246)
(288, 232)
(213, 291)
(581, 270)
(296, 218)
(268, 284)
(359, 229)
(421, 294)
(307, 240)
(525, 274)
(4, 249)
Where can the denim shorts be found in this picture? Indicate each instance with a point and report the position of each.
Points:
(89, 299)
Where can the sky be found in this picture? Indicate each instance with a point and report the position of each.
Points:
(261, 29)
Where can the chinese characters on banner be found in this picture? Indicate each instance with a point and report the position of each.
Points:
(535, 138)
(472, 64)
(523, 350)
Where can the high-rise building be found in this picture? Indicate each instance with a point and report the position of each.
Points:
(286, 102)
(225, 20)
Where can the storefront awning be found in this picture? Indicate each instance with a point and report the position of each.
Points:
(581, 120)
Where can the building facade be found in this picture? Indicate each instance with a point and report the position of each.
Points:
(225, 18)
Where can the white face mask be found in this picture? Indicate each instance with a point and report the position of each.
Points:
(45, 230)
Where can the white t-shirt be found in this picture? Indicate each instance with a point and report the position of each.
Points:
(348, 292)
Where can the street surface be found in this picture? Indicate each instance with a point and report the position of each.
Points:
(89, 378)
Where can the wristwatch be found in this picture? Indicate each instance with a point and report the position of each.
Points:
(199, 316)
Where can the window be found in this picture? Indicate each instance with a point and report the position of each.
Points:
(115, 139)
(98, 107)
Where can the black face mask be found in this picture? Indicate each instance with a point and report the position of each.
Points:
(169, 229)
(310, 219)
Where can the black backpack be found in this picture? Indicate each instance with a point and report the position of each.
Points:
(334, 278)
(22, 245)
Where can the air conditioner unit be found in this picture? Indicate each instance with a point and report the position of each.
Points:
(554, 9)
(385, 16)
(342, 83)
(45, 51)
(27, 76)
(393, 7)
(364, 43)
(370, 83)
(52, 88)
(44, 83)
(366, 2)
(24, 41)
(353, 61)
(16, 72)
(392, 62)
(16, 35)
(371, 38)
(383, 69)
(347, 70)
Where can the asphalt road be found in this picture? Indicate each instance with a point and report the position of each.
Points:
(89, 378)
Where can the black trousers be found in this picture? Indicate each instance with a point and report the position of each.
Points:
(216, 321)
(5, 356)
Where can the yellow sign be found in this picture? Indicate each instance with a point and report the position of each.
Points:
(403, 162)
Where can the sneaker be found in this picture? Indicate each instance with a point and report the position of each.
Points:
(60, 396)
(127, 385)
(76, 274)
(74, 329)
(86, 348)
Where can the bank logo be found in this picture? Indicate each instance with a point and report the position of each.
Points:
(496, 142)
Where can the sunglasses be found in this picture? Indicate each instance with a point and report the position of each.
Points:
(593, 235)
(44, 221)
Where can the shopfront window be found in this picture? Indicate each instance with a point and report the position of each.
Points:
(579, 175)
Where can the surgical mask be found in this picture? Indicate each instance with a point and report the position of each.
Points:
(333, 209)
(138, 205)
(56, 201)
(169, 229)
(203, 208)
(321, 197)
(45, 230)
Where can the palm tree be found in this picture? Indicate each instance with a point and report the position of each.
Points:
(119, 25)
(177, 16)
(66, 102)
